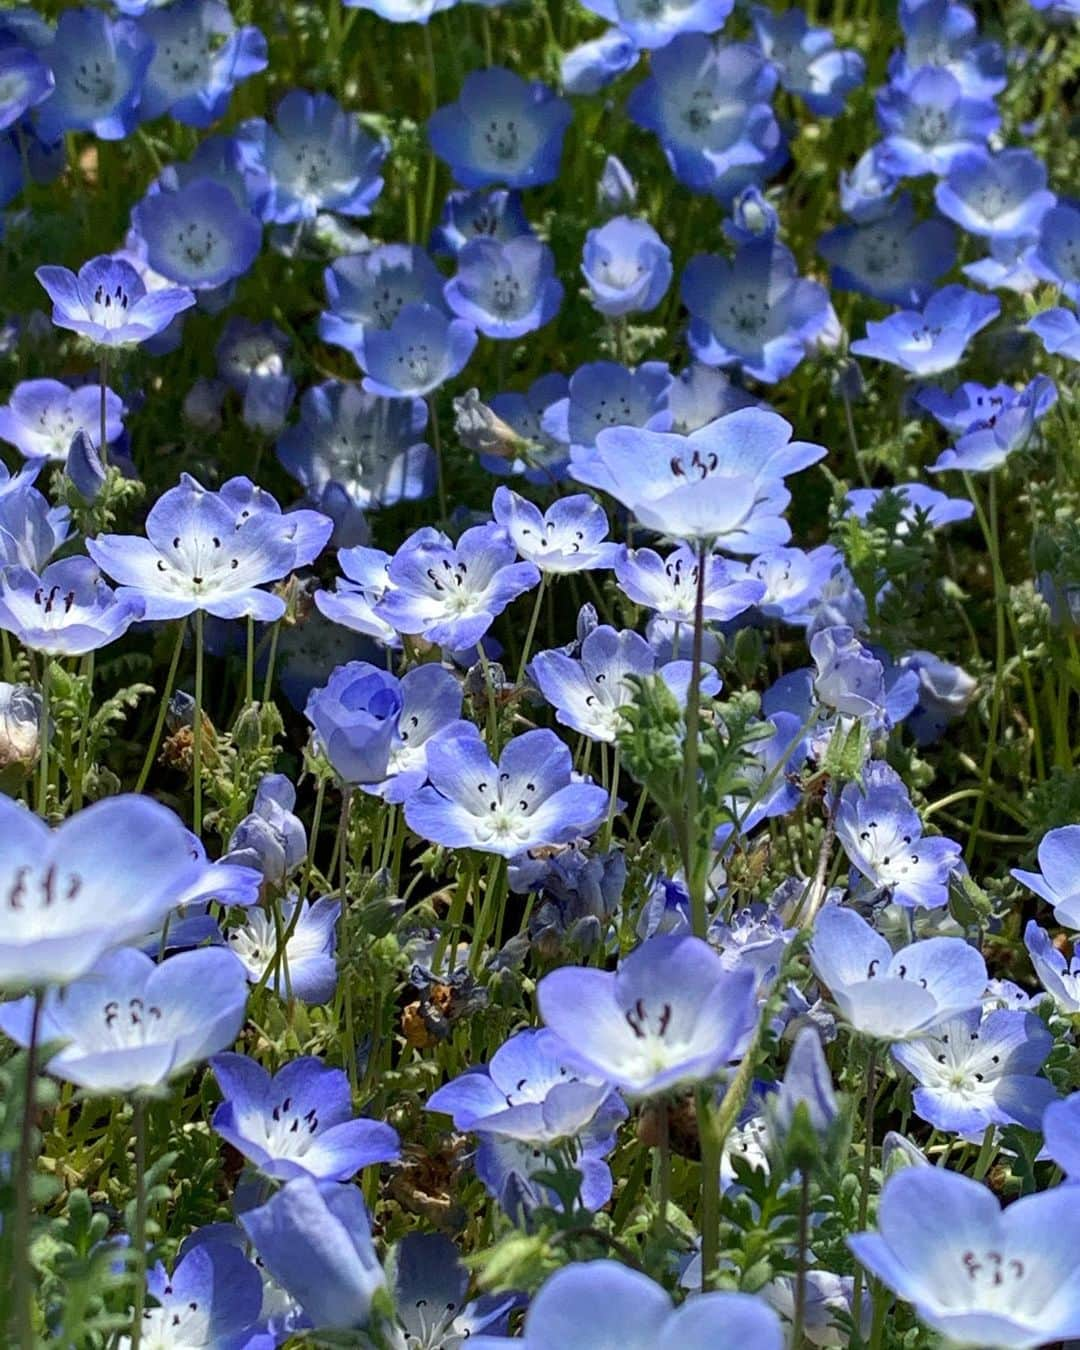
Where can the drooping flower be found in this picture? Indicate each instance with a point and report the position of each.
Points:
(627, 267)
(1059, 975)
(945, 693)
(108, 302)
(355, 716)
(593, 65)
(271, 837)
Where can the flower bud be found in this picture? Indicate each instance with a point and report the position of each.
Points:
(483, 431)
(20, 731)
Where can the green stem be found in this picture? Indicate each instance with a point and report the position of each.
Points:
(492, 713)
(695, 873)
(436, 445)
(268, 683)
(530, 632)
(864, 1176)
(662, 1166)
(103, 377)
(197, 729)
(496, 883)
(710, 1188)
(163, 708)
(249, 670)
(798, 1320)
(23, 1292)
(43, 756)
(139, 1235)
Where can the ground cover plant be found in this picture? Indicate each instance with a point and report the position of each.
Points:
(539, 597)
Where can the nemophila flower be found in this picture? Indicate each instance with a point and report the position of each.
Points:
(203, 552)
(430, 1288)
(807, 1084)
(570, 536)
(505, 289)
(1060, 977)
(577, 895)
(541, 457)
(315, 1240)
(271, 838)
(808, 60)
(920, 504)
(933, 339)
(314, 157)
(1061, 1134)
(66, 611)
(402, 11)
(671, 1015)
(945, 692)
(30, 529)
(893, 996)
(651, 25)
(369, 290)
(372, 446)
(700, 394)
(852, 680)
(502, 129)
(252, 359)
(451, 593)
(307, 969)
(945, 36)
(528, 800)
(431, 698)
(605, 394)
(975, 1071)
(890, 257)
(421, 348)
(1056, 257)
(1059, 332)
(131, 1024)
(669, 586)
(754, 311)
(827, 1305)
(588, 691)
(770, 764)
(198, 236)
(299, 1122)
(1000, 195)
(753, 216)
(592, 66)
(708, 105)
(495, 213)
(593, 1303)
(213, 1296)
(978, 1274)
(355, 718)
(25, 81)
(1007, 266)
(627, 267)
(108, 302)
(616, 190)
(20, 729)
(1058, 880)
(353, 602)
(989, 423)
(98, 66)
(723, 483)
(866, 193)
(792, 581)
(199, 57)
(42, 418)
(929, 121)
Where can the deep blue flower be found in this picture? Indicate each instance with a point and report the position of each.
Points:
(754, 312)
(593, 65)
(866, 192)
(654, 23)
(544, 457)
(199, 58)
(98, 65)
(929, 121)
(1058, 880)
(529, 800)
(420, 349)
(308, 966)
(1059, 332)
(996, 196)
(355, 716)
(807, 59)
(431, 698)
(431, 1304)
(66, 611)
(604, 394)
(570, 536)
(1008, 265)
(502, 129)
(505, 289)
(944, 36)
(213, 1296)
(668, 586)
(109, 303)
(890, 257)
(25, 81)
(495, 213)
(752, 217)
(369, 290)
(945, 692)
(933, 339)
(198, 236)
(43, 417)
(627, 267)
(990, 423)
(1057, 255)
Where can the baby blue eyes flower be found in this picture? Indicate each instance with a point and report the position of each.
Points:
(945, 692)
(421, 349)
(25, 81)
(605, 394)
(1059, 332)
(214, 1296)
(212, 551)
(920, 503)
(1056, 257)
(1058, 878)
(130, 1025)
(978, 1274)
(505, 289)
(364, 584)
(852, 681)
(627, 267)
(592, 66)
(1060, 978)
(589, 692)
(494, 213)
(793, 581)
(807, 59)
(944, 35)
(98, 65)
(315, 157)
(654, 23)
(671, 1015)
(308, 968)
(933, 339)
(66, 611)
(373, 447)
(528, 800)
(369, 290)
(997, 196)
(893, 996)
(929, 122)
(1061, 1132)
(298, 1123)
(668, 586)
(355, 718)
(108, 302)
(271, 838)
(570, 536)
(430, 1285)
(754, 312)
(989, 423)
(502, 129)
(43, 417)
(431, 699)
(616, 191)
(199, 58)
(198, 236)
(892, 257)
(452, 593)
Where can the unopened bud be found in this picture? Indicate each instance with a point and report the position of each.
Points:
(483, 431)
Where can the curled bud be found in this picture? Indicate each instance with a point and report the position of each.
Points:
(20, 731)
(483, 431)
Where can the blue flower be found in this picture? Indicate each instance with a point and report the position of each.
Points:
(933, 339)
(723, 483)
(1058, 880)
(25, 81)
(854, 682)
(708, 104)
(570, 536)
(807, 1083)
(131, 1024)
(616, 191)
(668, 586)
(298, 1123)
(199, 57)
(315, 1240)
(270, 838)
(793, 581)
(1061, 1132)
(893, 996)
(352, 603)
(944, 36)
(495, 213)
(976, 1071)
(945, 691)
(43, 417)
(591, 1303)
(355, 716)
(920, 504)
(996, 196)
(98, 65)
(754, 312)
(373, 447)
(505, 289)
(30, 529)
(807, 59)
(989, 423)
(627, 267)
(670, 1016)
(430, 1286)
(314, 158)
(109, 303)
(890, 257)
(772, 762)
(421, 348)
(452, 593)
(1057, 254)
(502, 129)
(66, 611)
(198, 236)
(1058, 976)
(1008, 266)
(369, 290)
(976, 1273)
(213, 1296)
(604, 394)
(307, 969)
(431, 698)
(588, 691)
(529, 800)
(592, 66)
(655, 24)
(402, 11)
(1059, 332)
(212, 551)
(545, 457)
(929, 121)
(700, 394)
